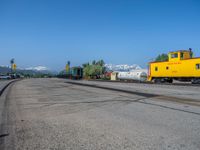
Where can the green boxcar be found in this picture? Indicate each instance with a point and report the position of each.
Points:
(76, 73)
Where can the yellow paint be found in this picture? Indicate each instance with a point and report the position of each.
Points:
(181, 66)
(14, 66)
(67, 68)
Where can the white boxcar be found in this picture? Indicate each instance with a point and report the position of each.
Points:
(139, 75)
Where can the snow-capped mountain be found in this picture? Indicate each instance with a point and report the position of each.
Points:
(38, 68)
(122, 67)
(31, 70)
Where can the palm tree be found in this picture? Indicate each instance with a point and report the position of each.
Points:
(94, 62)
(101, 63)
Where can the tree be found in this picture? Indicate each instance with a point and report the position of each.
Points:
(94, 62)
(93, 70)
(85, 65)
(86, 71)
(100, 62)
(162, 57)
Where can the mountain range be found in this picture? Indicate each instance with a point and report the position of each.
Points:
(38, 68)
(30, 70)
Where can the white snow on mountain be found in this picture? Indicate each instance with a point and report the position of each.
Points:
(122, 67)
(38, 68)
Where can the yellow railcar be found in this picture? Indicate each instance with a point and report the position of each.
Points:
(180, 66)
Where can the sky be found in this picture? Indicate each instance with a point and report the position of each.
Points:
(52, 32)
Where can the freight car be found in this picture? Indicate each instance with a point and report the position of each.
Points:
(76, 73)
(137, 75)
(181, 65)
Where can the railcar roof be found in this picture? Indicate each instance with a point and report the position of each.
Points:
(179, 51)
(168, 61)
(158, 62)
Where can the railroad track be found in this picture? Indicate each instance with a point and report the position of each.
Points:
(142, 82)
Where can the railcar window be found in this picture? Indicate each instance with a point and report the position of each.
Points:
(182, 55)
(197, 66)
(156, 68)
(175, 55)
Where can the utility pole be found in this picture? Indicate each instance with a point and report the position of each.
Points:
(12, 61)
(67, 68)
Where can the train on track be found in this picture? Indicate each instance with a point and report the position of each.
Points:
(134, 75)
(181, 66)
(76, 73)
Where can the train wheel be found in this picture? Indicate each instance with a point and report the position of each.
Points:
(196, 81)
(157, 80)
(170, 81)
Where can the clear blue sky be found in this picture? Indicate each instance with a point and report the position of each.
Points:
(51, 32)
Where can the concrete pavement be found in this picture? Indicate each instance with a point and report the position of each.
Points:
(3, 84)
(53, 114)
(185, 92)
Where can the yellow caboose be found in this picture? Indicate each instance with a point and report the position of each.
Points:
(180, 66)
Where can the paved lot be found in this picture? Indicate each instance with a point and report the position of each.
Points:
(3, 83)
(185, 92)
(53, 114)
